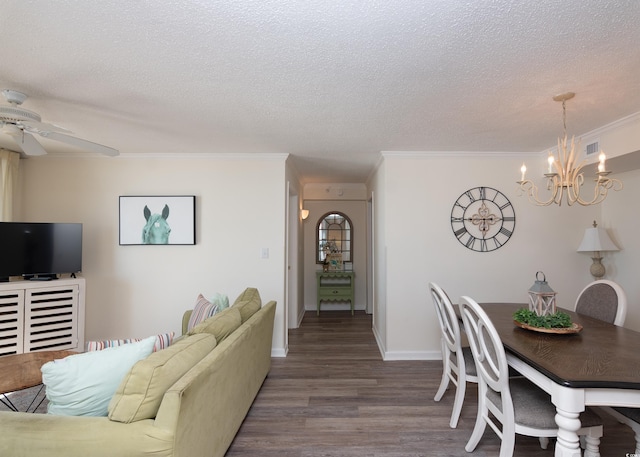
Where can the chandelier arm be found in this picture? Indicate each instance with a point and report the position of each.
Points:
(602, 187)
(531, 191)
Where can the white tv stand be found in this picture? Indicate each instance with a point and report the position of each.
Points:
(42, 315)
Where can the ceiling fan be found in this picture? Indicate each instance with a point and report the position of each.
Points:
(21, 124)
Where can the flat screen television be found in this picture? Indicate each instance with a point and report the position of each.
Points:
(39, 250)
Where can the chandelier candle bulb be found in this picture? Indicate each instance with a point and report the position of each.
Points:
(602, 158)
(523, 169)
(550, 159)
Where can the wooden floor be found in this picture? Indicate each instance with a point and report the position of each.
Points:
(334, 396)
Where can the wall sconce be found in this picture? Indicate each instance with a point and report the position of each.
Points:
(304, 213)
(597, 240)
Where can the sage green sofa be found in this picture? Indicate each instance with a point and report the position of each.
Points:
(198, 415)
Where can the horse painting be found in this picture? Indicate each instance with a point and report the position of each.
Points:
(156, 230)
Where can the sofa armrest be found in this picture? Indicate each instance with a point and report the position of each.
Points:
(185, 321)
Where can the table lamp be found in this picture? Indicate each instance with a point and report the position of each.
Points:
(597, 240)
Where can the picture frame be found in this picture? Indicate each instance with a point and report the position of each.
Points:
(157, 220)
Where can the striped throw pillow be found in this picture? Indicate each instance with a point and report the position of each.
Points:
(203, 309)
(163, 340)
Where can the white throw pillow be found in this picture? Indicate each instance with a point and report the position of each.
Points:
(83, 384)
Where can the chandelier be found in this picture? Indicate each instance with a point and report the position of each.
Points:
(565, 176)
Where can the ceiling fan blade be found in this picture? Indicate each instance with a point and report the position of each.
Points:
(82, 144)
(42, 127)
(29, 144)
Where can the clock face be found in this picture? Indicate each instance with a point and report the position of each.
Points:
(482, 219)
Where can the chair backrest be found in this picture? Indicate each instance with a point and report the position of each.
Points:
(604, 300)
(447, 319)
(488, 352)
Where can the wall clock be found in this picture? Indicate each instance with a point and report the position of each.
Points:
(483, 219)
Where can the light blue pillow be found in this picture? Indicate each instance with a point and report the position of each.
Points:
(83, 384)
(221, 300)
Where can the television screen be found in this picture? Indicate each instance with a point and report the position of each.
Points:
(39, 248)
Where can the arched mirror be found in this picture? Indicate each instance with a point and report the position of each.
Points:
(334, 236)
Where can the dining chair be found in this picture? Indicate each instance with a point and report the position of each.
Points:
(515, 405)
(604, 300)
(458, 366)
(607, 301)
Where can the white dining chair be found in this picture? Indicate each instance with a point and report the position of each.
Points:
(512, 406)
(458, 366)
(604, 300)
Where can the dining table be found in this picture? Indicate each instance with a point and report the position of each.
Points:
(596, 365)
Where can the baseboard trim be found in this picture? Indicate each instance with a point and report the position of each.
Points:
(279, 352)
(412, 355)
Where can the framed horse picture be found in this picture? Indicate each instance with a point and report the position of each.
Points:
(158, 219)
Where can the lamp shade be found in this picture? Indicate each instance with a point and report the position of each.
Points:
(596, 239)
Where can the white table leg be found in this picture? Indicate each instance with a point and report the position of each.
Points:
(568, 443)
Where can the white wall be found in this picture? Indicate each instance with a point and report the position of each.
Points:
(377, 190)
(620, 218)
(136, 291)
(419, 245)
(295, 242)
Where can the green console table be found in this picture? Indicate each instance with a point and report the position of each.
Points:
(335, 286)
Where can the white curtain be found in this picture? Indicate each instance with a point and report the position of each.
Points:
(9, 162)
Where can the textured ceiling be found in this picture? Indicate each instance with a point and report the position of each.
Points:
(331, 82)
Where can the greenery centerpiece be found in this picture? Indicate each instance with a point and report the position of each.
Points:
(558, 319)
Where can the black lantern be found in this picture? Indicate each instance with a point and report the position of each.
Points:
(542, 298)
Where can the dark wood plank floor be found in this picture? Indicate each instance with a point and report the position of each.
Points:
(334, 396)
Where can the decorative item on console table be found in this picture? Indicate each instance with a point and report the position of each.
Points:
(335, 261)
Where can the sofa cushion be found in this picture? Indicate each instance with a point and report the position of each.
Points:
(220, 325)
(163, 340)
(248, 303)
(83, 384)
(140, 392)
(247, 309)
(202, 310)
(250, 293)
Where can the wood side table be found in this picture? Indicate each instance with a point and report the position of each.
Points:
(21, 371)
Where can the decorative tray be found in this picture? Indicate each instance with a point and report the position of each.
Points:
(575, 328)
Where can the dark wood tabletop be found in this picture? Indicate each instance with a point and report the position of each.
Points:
(602, 355)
